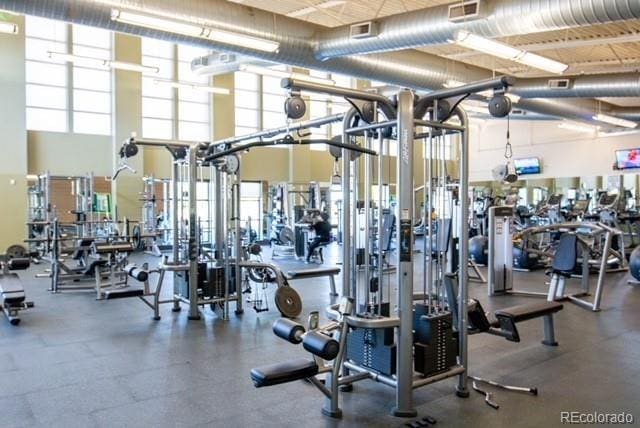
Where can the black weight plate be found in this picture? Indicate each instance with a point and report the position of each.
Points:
(286, 236)
(288, 302)
(16, 252)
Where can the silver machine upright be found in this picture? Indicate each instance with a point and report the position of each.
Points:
(500, 249)
(407, 340)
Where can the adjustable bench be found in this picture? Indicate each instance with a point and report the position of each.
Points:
(503, 321)
(316, 273)
(287, 371)
(12, 295)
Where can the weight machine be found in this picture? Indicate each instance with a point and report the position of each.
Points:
(357, 326)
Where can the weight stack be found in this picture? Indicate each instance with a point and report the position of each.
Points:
(215, 280)
(439, 352)
(373, 348)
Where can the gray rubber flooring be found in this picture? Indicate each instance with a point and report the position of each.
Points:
(78, 362)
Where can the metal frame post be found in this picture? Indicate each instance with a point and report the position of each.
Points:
(463, 254)
(404, 213)
(194, 234)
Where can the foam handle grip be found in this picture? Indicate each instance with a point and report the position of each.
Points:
(288, 330)
(136, 273)
(321, 345)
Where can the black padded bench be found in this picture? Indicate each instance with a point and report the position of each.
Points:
(284, 372)
(503, 321)
(508, 317)
(12, 294)
(11, 290)
(316, 273)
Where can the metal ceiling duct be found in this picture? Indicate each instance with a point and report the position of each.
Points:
(410, 68)
(488, 18)
(586, 86)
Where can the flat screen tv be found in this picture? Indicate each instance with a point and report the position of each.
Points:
(525, 166)
(628, 158)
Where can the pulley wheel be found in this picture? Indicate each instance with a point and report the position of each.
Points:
(499, 106)
(288, 302)
(16, 252)
(129, 150)
(444, 110)
(295, 107)
(368, 111)
(336, 152)
(136, 238)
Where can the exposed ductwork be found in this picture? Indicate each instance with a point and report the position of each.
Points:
(410, 68)
(488, 18)
(591, 86)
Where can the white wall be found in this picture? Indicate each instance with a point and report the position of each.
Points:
(562, 152)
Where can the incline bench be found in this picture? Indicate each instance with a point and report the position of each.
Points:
(316, 273)
(12, 295)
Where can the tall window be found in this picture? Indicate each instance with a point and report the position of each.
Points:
(194, 106)
(338, 104)
(158, 101)
(62, 96)
(318, 105)
(47, 98)
(273, 97)
(251, 205)
(247, 102)
(91, 85)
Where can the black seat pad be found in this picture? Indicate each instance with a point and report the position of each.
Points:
(529, 310)
(11, 289)
(91, 270)
(284, 372)
(311, 273)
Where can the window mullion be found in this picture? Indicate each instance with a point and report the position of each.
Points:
(69, 65)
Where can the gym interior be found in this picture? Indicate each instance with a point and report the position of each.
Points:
(301, 213)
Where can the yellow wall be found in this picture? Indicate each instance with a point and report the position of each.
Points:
(13, 141)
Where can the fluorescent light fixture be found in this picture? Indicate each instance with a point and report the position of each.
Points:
(193, 30)
(614, 121)
(542, 63)
(307, 10)
(618, 133)
(266, 71)
(191, 86)
(453, 83)
(129, 66)
(502, 50)
(9, 28)
(579, 127)
(475, 108)
(101, 63)
(157, 23)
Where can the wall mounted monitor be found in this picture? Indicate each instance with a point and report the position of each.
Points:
(628, 159)
(526, 166)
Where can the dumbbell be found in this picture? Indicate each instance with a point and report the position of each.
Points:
(317, 343)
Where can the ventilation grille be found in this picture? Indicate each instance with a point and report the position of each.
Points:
(364, 30)
(559, 83)
(464, 11)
